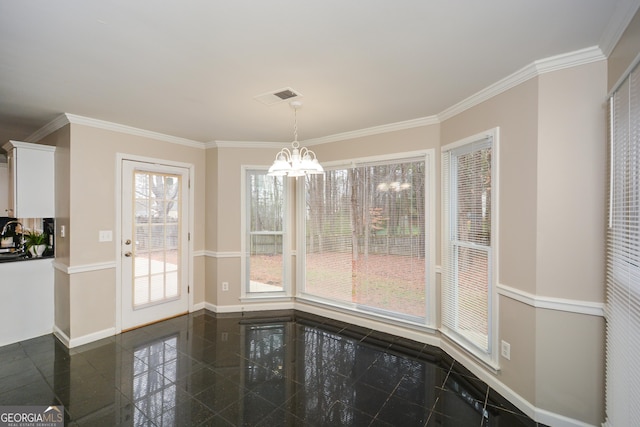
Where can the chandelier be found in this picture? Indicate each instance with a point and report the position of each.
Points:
(296, 161)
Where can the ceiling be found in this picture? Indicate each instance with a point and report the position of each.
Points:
(191, 69)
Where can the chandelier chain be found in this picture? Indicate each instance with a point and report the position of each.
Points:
(296, 144)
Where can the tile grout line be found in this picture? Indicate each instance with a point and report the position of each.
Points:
(484, 407)
(387, 400)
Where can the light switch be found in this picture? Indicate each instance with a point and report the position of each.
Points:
(105, 236)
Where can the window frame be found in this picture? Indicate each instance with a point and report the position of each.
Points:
(430, 321)
(245, 293)
(623, 251)
(491, 357)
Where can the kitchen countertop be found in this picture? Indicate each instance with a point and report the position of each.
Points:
(6, 259)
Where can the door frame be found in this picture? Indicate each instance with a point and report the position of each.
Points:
(120, 157)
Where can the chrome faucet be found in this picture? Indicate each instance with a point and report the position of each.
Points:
(16, 223)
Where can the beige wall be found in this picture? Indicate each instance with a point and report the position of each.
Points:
(571, 220)
(224, 192)
(211, 201)
(569, 374)
(93, 154)
(515, 112)
(551, 222)
(85, 204)
(61, 139)
(92, 302)
(517, 326)
(419, 138)
(572, 144)
(227, 163)
(61, 302)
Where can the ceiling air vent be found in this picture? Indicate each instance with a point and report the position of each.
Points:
(277, 96)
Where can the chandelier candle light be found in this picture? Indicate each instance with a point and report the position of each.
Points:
(297, 161)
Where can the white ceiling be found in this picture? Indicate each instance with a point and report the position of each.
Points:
(191, 69)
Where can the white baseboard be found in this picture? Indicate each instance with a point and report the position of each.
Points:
(257, 306)
(89, 338)
(557, 420)
(198, 306)
(61, 335)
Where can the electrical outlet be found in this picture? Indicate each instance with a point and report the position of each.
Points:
(225, 286)
(505, 350)
(225, 336)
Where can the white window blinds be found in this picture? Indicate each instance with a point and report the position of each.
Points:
(623, 257)
(467, 251)
(366, 233)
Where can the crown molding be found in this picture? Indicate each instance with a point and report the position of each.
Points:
(622, 16)
(489, 92)
(553, 63)
(246, 144)
(102, 124)
(375, 130)
(408, 124)
(46, 130)
(66, 118)
(569, 60)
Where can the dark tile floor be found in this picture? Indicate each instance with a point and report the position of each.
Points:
(268, 369)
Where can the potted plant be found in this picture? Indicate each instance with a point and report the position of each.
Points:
(36, 243)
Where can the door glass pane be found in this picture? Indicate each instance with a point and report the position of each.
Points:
(157, 248)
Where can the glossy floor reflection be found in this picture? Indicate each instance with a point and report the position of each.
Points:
(271, 369)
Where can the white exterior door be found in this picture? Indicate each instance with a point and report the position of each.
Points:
(154, 242)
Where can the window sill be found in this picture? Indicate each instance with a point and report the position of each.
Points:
(451, 342)
(355, 311)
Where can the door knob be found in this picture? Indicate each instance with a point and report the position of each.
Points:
(127, 254)
(127, 242)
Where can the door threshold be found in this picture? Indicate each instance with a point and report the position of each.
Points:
(154, 322)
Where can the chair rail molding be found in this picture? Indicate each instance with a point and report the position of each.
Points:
(589, 308)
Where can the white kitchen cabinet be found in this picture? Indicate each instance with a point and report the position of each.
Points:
(31, 180)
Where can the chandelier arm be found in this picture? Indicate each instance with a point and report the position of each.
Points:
(284, 152)
(304, 151)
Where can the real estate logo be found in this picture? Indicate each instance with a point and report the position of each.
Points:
(32, 416)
